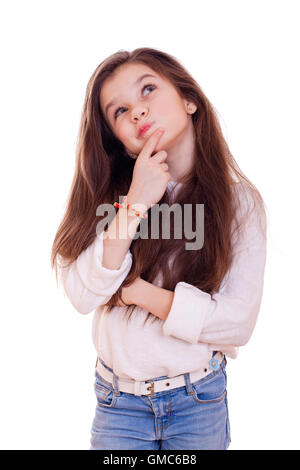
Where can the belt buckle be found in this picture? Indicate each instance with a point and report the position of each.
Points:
(151, 388)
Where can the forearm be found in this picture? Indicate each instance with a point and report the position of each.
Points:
(155, 299)
(118, 237)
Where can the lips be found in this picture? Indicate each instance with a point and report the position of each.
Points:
(144, 128)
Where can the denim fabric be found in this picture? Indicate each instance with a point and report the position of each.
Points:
(194, 416)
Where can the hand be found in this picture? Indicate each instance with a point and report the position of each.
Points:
(127, 293)
(150, 175)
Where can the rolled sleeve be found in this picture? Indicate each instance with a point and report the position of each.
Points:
(227, 317)
(188, 311)
(94, 275)
(87, 283)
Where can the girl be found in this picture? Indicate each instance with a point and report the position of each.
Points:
(167, 310)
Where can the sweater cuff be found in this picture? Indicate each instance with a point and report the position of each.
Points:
(95, 276)
(186, 317)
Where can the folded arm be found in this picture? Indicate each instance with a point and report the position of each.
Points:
(87, 283)
(227, 317)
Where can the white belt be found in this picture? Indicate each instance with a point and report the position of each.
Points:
(148, 387)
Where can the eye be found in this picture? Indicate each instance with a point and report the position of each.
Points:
(144, 87)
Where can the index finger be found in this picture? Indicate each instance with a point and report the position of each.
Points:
(151, 142)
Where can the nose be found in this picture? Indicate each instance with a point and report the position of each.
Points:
(138, 112)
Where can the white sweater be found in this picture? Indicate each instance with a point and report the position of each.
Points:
(197, 324)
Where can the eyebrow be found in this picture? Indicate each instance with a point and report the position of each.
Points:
(137, 81)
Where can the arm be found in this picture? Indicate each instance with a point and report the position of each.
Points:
(119, 235)
(227, 317)
(87, 283)
(99, 270)
(156, 300)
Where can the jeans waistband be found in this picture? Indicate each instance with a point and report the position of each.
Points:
(158, 384)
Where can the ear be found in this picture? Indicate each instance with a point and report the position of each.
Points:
(190, 107)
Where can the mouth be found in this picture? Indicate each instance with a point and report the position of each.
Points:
(144, 128)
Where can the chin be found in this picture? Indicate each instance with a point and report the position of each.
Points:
(132, 155)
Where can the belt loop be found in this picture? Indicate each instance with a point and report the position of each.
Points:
(115, 384)
(188, 385)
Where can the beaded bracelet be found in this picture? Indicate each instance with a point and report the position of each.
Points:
(125, 205)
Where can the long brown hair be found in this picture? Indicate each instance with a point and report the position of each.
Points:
(104, 171)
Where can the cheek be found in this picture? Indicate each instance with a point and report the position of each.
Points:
(170, 111)
(123, 133)
(179, 119)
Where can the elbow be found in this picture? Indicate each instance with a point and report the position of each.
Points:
(83, 310)
(85, 307)
(242, 336)
(81, 307)
(247, 324)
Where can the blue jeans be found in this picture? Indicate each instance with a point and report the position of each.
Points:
(194, 416)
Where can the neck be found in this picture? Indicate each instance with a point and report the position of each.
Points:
(180, 158)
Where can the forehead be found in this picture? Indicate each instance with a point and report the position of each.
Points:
(123, 76)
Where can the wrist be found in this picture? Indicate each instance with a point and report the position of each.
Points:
(134, 290)
(136, 202)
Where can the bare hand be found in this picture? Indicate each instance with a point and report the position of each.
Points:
(150, 175)
(127, 294)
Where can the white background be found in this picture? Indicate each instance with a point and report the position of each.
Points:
(245, 57)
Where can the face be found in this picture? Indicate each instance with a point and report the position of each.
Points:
(152, 99)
